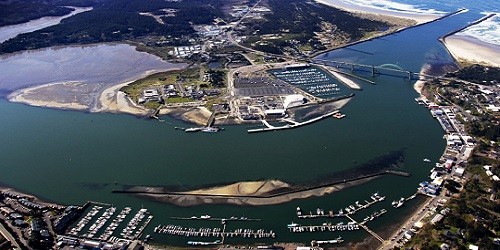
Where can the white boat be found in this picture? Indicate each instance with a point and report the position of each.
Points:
(427, 160)
(292, 225)
(205, 217)
(193, 129)
(210, 129)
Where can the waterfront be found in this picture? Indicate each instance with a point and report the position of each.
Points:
(43, 150)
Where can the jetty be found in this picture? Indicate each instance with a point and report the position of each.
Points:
(291, 124)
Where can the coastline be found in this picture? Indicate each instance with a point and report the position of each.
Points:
(468, 49)
(419, 18)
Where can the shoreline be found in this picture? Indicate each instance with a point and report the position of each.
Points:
(464, 48)
(419, 18)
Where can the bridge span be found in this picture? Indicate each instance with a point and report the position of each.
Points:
(375, 70)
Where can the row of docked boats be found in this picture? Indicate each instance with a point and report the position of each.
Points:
(374, 215)
(85, 220)
(322, 242)
(350, 226)
(351, 209)
(212, 232)
(115, 223)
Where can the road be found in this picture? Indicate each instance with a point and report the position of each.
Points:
(6, 234)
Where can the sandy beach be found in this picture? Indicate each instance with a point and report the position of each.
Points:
(112, 100)
(469, 49)
(350, 83)
(419, 18)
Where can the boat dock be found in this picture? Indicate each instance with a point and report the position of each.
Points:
(366, 229)
(374, 215)
(325, 227)
(205, 217)
(213, 232)
(292, 124)
(351, 209)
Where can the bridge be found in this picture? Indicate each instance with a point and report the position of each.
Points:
(375, 70)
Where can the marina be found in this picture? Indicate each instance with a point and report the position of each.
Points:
(94, 226)
(311, 79)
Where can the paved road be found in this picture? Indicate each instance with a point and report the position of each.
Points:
(9, 237)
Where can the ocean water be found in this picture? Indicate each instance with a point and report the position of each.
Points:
(487, 31)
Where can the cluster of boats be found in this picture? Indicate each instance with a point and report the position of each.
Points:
(351, 209)
(302, 76)
(115, 223)
(132, 231)
(325, 89)
(213, 232)
(373, 216)
(350, 226)
(100, 222)
(85, 220)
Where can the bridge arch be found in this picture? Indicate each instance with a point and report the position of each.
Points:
(391, 66)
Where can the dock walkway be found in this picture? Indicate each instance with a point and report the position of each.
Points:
(295, 124)
(366, 229)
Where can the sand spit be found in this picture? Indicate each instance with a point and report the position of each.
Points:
(242, 193)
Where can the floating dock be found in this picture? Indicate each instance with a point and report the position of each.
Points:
(213, 232)
(292, 124)
(325, 227)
